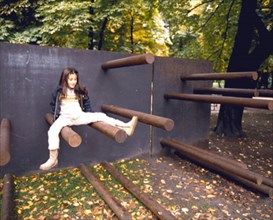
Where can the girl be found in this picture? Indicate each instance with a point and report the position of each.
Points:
(71, 106)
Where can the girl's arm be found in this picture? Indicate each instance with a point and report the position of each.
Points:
(53, 101)
(55, 106)
(86, 104)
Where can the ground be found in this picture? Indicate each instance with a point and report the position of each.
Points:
(205, 195)
(187, 190)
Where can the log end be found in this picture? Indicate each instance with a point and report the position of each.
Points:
(255, 76)
(259, 180)
(75, 140)
(120, 136)
(270, 105)
(168, 126)
(4, 158)
(149, 58)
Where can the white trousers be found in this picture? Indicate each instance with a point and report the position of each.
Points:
(83, 118)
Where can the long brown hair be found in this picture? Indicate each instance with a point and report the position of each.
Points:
(79, 89)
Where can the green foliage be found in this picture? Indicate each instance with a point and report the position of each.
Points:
(200, 29)
(132, 27)
(204, 30)
(64, 23)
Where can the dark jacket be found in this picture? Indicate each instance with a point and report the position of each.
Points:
(56, 103)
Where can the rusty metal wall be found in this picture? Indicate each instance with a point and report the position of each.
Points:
(191, 118)
(28, 74)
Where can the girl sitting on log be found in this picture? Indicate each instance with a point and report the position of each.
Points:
(71, 106)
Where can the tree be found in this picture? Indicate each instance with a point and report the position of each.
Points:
(234, 35)
(247, 55)
(129, 26)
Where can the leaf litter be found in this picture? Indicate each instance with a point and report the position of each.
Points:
(187, 190)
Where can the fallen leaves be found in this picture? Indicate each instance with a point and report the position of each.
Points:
(185, 189)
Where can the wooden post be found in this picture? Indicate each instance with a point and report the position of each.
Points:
(157, 121)
(227, 91)
(219, 76)
(246, 102)
(4, 141)
(129, 61)
(117, 208)
(188, 151)
(7, 199)
(213, 155)
(70, 136)
(152, 204)
(113, 132)
(248, 180)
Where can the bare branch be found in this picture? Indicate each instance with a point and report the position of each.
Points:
(203, 3)
(225, 33)
(202, 27)
(214, 52)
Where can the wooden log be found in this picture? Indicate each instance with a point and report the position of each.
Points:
(8, 198)
(213, 166)
(186, 150)
(113, 132)
(213, 155)
(265, 92)
(152, 204)
(227, 91)
(4, 142)
(260, 188)
(129, 61)
(219, 76)
(157, 121)
(268, 182)
(117, 208)
(70, 136)
(246, 102)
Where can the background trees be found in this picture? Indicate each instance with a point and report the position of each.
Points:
(235, 35)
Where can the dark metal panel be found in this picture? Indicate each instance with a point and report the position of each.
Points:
(191, 118)
(28, 76)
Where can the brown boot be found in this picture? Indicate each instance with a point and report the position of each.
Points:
(130, 126)
(51, 162)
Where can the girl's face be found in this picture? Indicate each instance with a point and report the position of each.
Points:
(72, 80)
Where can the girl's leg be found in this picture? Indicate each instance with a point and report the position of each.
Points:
(90, 117)
(53, 142)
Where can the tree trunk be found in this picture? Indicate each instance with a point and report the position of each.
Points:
(132, 33)
(230, 117)
(91, 30)
(101, 35)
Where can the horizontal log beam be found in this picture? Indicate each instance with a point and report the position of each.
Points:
(113, 132)
(219, 76)
(264, 187)
(7, 212)
(227, 91)
(265, 92)
(213, 162)
(152, 204)
(157, 121)
(246, 102)
(116, 207)
(213, 155)
(129, 61)
(4, 142)
(248, 179)
(67, 133)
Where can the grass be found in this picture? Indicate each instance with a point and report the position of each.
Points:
(66, 194)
